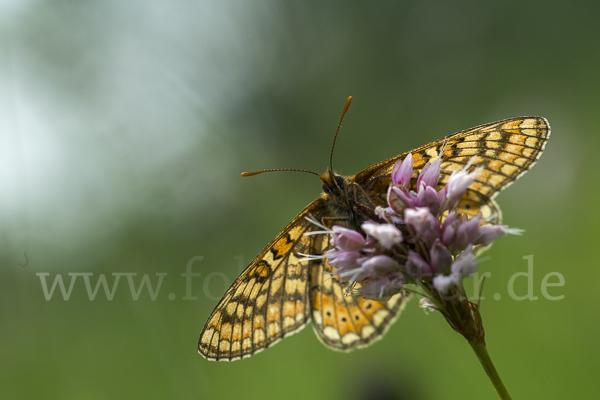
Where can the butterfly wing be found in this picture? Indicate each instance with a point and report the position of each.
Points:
(505, 150)
(269, 300)
(342, 321)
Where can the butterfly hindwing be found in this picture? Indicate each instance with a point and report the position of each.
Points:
(342, 321)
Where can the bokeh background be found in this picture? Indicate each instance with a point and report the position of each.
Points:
(124, 126)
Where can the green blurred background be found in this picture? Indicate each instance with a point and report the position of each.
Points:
(124, 126)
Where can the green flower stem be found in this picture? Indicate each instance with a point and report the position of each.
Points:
(485, 360)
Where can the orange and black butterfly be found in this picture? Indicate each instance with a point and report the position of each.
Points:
(282, 289)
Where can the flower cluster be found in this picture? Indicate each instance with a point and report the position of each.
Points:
(420, 238)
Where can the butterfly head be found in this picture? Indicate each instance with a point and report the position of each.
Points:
(347, 201)
(332, 182)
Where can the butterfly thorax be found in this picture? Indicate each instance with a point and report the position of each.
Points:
(349, 205)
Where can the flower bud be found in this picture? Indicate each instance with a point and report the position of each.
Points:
(347, 239)
(402, 172)
(387, 235)
(428, 197)
(465, 265)
(440, 256)
(399, 199)
(430, 174)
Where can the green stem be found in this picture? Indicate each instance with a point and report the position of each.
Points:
(485, 360)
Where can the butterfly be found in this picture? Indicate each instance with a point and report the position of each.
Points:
(282, 289)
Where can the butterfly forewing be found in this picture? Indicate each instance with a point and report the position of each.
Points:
(280, 290)
(268, 301)
(504, 149)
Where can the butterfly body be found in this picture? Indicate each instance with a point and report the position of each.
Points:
(282, 289)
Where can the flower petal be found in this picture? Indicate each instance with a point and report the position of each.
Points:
(443, 283)
(399, 199)
(423, 222)
(457, 184)
(449, 228)
(430, 174)
(465, 265)
(417, 267)
(402, 172)
(428, 197)
(441, 259)
(380, 264)
(347, 239)
(387, 235)
(467, 233)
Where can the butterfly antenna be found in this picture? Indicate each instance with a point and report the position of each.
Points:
(338, 129)
(252, 173)
(277, 170)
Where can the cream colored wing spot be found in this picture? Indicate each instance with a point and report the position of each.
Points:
(367, 331)
(379, 316)
(317, 317)
(350, 338)
(331, 333)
